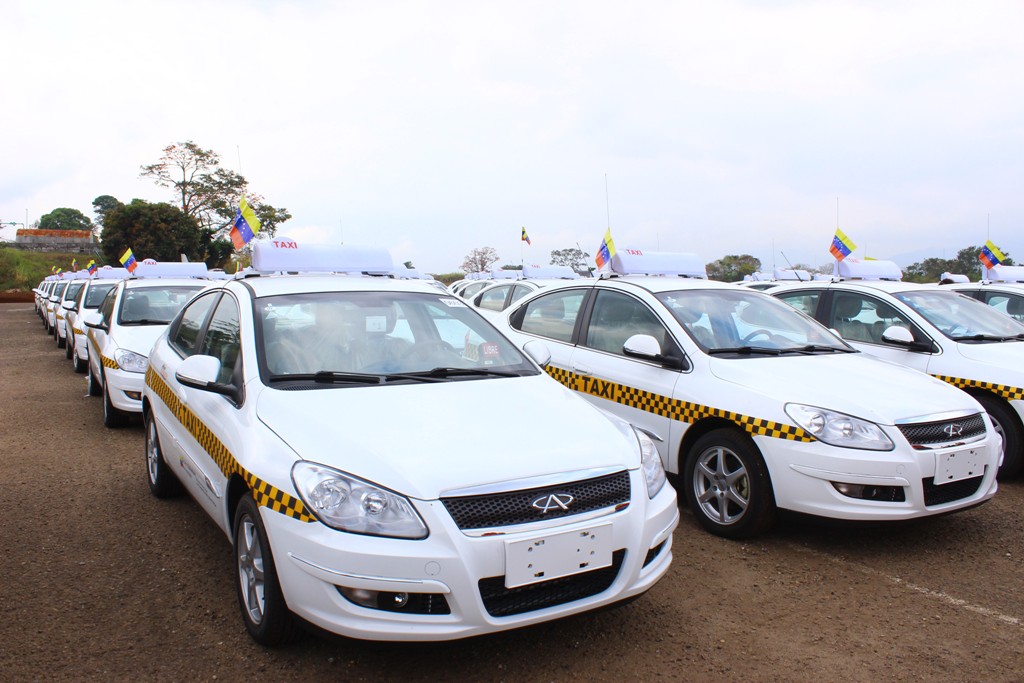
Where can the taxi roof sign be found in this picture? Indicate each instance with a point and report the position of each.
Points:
(282, 254)
(948, 278)
(150, 268)
(502, 274)
(1001, 273)
(549, 272)
(856, 269)
(640, 262)
(792, 274)
(757, 277)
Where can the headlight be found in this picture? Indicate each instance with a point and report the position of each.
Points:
(654, 471)
(344, 502)
(838, 429)
(130, 361)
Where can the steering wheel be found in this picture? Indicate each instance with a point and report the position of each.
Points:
(756, 333)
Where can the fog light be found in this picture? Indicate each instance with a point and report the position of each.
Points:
(886, 494)
(412, 603)
(134, 395)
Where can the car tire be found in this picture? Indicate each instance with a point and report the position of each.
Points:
(162, 481)
(264, 610)
(728, 486)
(94, 386)
(1008, 425)
(80, 365)
(68, 348)
(61, 341)
(112, 417)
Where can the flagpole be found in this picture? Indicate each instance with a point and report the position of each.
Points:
(607, 204)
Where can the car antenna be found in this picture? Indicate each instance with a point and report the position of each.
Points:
(791, 266)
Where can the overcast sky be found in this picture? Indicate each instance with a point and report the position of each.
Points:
(432, 128)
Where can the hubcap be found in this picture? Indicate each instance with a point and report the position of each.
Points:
(250, 570)
(152, 451)
(721, 485)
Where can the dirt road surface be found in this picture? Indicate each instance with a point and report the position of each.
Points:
(101, 581)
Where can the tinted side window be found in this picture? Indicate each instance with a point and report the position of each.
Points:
(1010, 304)
(617, 317)
(805, 302)
(222, 337)
(107, 306)
(493, 298)
(553, 315)
(862, 318)
(183, 338)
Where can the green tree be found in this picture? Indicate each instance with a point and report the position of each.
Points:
(100, 206)
(209, 193)
(65, 219)
(480, 259)
(158, 231)
(733, 267)
(928, 270)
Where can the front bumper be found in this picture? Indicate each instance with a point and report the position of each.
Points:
(313, 561)
(803, 473)
(125, 388)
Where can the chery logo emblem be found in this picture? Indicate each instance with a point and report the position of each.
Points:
(553, 501)
(953, 430)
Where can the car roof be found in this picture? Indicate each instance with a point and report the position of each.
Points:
(273, 285)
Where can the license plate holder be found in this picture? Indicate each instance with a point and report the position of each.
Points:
(959, 465)
(557, 555)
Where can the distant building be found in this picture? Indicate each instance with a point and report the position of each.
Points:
(67, 241)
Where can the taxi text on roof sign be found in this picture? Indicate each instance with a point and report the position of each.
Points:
(640, 262)
(287, 255)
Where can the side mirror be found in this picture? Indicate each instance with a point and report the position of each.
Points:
(646, 347)
(901, 336)
(93, 320)
(200, 372)
(538, 351)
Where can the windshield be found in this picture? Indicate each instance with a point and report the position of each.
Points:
(960, 317)
(58, 291)
(73, 289)
(741, 321)
(342, 335)
(154, 305)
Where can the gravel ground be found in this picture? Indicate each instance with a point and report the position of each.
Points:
(101, 581)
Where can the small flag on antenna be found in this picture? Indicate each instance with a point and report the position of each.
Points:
(990, 255)
(526, 238)
(841, 245)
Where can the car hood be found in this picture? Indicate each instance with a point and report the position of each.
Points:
(137, 338)
(428, 438)
(852, 383)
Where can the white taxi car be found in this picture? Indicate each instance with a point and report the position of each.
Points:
(131, 316)
(757, 407)
(60, 313)
(306, 415)
(51, 303)
(88, 301)
(930, 328)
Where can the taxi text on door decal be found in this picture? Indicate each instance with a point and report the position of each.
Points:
(672, 408)
(1007, 392)
(265, 494)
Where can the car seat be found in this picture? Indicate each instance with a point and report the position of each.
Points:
(846, 308)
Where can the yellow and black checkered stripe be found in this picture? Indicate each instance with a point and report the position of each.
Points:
(265, 494)
(672, 408)
(1004, 390)
(109, 363)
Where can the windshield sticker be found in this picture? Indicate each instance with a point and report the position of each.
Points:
(453, 303)
(376, 323)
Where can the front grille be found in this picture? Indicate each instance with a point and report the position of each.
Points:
(504, 602)
(515, 507)
(930, 433)
(947, 493)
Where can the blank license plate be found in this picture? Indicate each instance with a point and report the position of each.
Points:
(958, 465)
(558, 555)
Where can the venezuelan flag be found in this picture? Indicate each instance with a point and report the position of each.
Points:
(841, 245)
(606, 250)
(990, 255)
(128, 260)
(246, 225)
(526, 238)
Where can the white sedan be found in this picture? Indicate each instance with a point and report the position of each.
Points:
(307, 415)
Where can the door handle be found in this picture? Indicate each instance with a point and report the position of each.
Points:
(582, 369)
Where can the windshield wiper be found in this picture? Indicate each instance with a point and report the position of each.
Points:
(815, 348)
(329, 377)
(984, 337)
(442, 373)
(746, 350)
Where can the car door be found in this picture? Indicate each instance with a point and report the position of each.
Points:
(627, 387)
(174, 413)
(554, 318)
(861, 319)
(98, 335)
